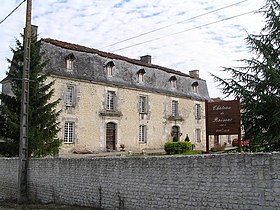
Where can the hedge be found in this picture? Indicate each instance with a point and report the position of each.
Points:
(177, 147)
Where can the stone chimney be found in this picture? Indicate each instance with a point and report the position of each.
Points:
(146, 59)
(194, 73)
(34, 31)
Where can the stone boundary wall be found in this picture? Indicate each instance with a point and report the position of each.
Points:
(227, 181)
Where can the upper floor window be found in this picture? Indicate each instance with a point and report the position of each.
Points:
(111, 100)
(70, 61)
(195, 87)
(143, 108)
(68, 132)
(198, 111)
(142, 134)
(141, 73)
(175, 107)
(173, 82)
(109, 68)
(70, 96)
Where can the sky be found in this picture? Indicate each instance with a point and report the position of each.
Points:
(184, 35)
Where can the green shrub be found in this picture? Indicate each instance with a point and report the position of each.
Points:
(177, 147)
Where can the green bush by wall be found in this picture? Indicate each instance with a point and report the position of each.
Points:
(177, 147)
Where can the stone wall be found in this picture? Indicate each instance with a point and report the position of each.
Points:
(230, 181)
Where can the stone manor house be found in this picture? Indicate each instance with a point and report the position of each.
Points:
(109, 100)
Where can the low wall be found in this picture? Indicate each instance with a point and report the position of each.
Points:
(230, 181)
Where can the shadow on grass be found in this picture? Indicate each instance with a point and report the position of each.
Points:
(15, 206)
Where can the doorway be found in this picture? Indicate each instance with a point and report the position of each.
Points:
(111, 136)
(175, 132)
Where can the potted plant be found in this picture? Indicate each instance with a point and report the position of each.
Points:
(108, 148)
(122, 147)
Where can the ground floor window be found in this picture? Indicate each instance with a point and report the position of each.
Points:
(69, 132)
(142, 133)
(198, 135)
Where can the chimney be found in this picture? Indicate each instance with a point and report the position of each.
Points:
(146, 59)
(34, 31)
(194, 73)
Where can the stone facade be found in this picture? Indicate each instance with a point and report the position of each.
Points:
(228, 181)
(145, 97)
(108, 100)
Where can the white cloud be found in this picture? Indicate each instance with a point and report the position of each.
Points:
(100, 23)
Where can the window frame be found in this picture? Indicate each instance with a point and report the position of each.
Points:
(70, 64)
(174, 108)
(111, 100)
(195, 87)
(70, 61)
(142, 134)
(69, 133)
(173, 82)
(70, 96)
(109, 68)
(143, 104)
(198, 111)
(198, 135)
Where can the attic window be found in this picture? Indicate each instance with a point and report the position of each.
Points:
(195, 87)
(173, 81)
(141, 73)
(70, 61)
(109, 68)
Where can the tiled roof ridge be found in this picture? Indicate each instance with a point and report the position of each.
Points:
(81, 48)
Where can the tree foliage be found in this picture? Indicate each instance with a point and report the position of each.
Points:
(42, 119)
(257, 84)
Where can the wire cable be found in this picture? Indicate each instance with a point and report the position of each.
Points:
(207, 24)
(167, 26)
(12, 12)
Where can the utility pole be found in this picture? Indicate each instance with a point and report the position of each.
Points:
(23, 141)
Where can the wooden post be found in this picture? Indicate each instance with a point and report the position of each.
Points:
(23, 141)
(207, 132)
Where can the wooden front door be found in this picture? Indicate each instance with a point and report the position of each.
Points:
(111, 136)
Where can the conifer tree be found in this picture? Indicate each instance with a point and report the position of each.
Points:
(257, 84)
(43, 125)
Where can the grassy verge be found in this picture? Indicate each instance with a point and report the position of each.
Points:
(15, 206)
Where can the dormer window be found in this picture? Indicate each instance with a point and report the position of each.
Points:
(173, 82)
(141, 73)
(70, 61)
(109, 68)
(195, 87)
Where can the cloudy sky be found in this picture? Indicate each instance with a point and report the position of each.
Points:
(180, 34)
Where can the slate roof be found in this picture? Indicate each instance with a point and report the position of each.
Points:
(81, 48)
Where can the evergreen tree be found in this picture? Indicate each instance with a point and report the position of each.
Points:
(258, 83)
(43, 125)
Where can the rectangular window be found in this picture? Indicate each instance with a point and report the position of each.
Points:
(173, 83)
(141, 78)
(111, 100)
(69, 96)
(195, 88)
(69, 132)
(70, 64)
(175, 106)
(109, 70)
(198, 135)
(142, 133)
(143, 104)
(198, 111)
